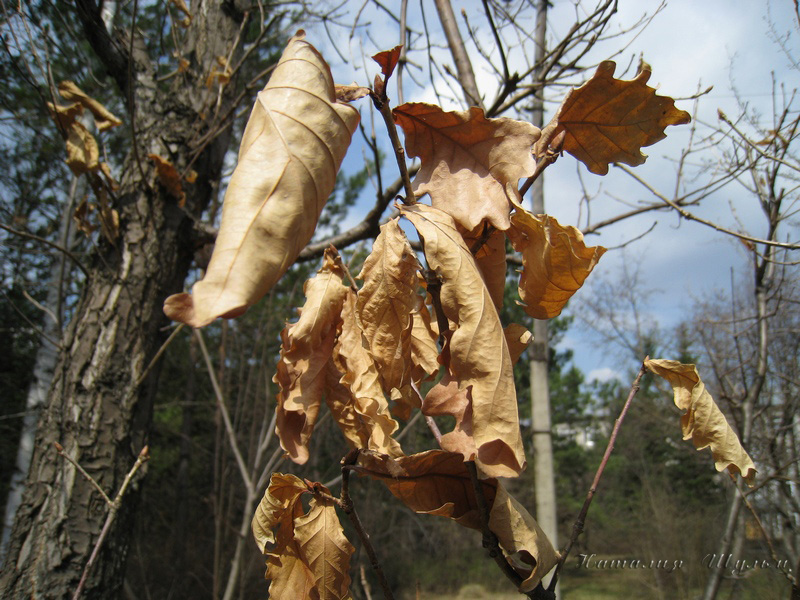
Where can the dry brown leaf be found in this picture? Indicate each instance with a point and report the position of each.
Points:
(351, 93)
(438, 483)
(81, 217)
(360, 377)
(169, 177)
(309, 555)
(424, 351)
(518, 338)
(445, 398)
(294, 142)
(103, 118)
(301, 382)
(325, 550)
(555, 262)
(386, 302)
(491, 261)
(520, 535)
(388, 60)
(471, 165)
(325, 293)
(181, 6)
(608, 120)
(340, 402)
(702, 420)
(83, 155)
(479, 356)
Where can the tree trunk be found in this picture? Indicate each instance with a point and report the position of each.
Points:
(98, 408)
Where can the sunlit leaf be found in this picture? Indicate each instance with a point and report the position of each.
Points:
(294, 142)
(608, 120)
(471, 165)
(702, 420)
(555, 262)
(424, 351)
(479, 356)
(388, 60)
(103, 118)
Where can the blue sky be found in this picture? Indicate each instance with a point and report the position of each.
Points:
(727, 44)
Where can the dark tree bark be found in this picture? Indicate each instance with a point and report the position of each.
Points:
(97, 409)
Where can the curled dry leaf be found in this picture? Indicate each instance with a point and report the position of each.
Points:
(103, 118)
(518, 338)
(351, 93)
(702, 420)
(471, 165)
(479, 356)
(555, 262)
(608, 120)
(491, 261)
(292, 147)
(386, 302)
(83, 155)
(438, 483)
(424, 351)
(360, 377)
(308, 556)
(306, 348)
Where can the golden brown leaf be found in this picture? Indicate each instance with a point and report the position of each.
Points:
(351, 93)
(169, 177)
(386, 302)
(479, 356)
(291, 149)
(608, 120)
(471, 165)
(181, 6)
(491, 261)
(555, 262)
(340, 402)
(278, 509)
(702, 420)
(360, 377)
(445, 398)
(103, 118)
(83, 155)
(438, 483)
(424, 351)
(325, 549)
(518, 338)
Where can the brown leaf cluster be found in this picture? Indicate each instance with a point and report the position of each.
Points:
(702, 420)
(291, 150)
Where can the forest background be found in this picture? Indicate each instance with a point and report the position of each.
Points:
(654, 295)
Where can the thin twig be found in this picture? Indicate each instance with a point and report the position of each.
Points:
(89, 478)
(112, 513)
(53, 245)
(382, 104)
(346, 504)
(223, 409)
(577, 528)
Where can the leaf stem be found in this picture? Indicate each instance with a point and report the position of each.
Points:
(346, 504)
(577, 528)
(382, 104)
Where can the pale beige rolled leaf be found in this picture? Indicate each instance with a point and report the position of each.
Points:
(360, 377)
(103, 117)
(386, 302)
(291, 150)
(702, 420)
(325, 549)
(555, 262)
(479, 355)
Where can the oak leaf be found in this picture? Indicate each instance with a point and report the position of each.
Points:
(291, 149)
(360, 377)
(702, 420)
(103, 118)
(608, 120)
(386, 302)
(307, 554)
(471, 165)
(491, 261)
(555, 262)
(479, 357)
(83, 154)
(424, 351)
(340, 402)
(438, 483)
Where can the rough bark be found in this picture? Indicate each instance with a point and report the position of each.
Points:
(96, 408)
